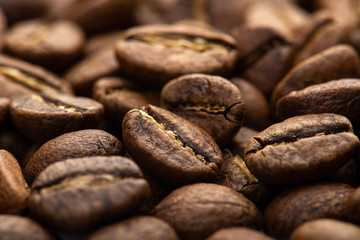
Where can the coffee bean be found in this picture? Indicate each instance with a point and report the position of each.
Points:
(353, 207)
(17, 227)
(14, 191)
(120, 95)
(196, 211)
(257, 114)
(236, 233)
(169, 147)
(19, 78)
(137, 228)
(337, 96)
(326, 229)
(284, 152)
(82, 143)
(211, 102)
(264, 56)
(99, 64)
(337, 62)
(42, 42)
(155, 54)
(79, 194)
(304, 203)
(46, 116)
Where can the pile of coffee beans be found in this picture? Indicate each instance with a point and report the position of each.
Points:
(179, 119)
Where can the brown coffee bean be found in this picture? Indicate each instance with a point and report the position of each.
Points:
(100, 16)
(14, 191)
(235, 174)
(99, 64)
(169, 147)
(137, 228)
(196, 211)
(120, 95)
(18, 78)
(211, 102)
(79, 194)
(304, 203)
(264, 56)
(326, 229)
(284, 152)
(236, 233)
(155, 54)
(337, 62)
(42, 42)
(46, 116)
(257, 114)
(16, 227)
(82, 143)
(353, 207)
(337, 96)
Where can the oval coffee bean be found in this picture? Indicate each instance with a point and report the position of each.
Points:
(326, 229)
(19, 78)
(42, 42)
(284, 153)
(169, 147)
(16, 227)
(14, 191)
(196, 211)
(46, 116)
(304, 203)
(81, 193)
(337, 96)
(136, 228)
(82, 143)
(236, 233)
(211, 102)
(155, 54)
(337, 62)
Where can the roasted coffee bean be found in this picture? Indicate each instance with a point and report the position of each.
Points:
(236, 233)
(264, 56)
(99, 64)
(196, 211)
(320, 33)
(235, 175)
(79, 194)
(169, 147)
(211, 102)
(42, 42)
(257, 114)
(284, 152)
(18, 78)
(136, 228)
(326, 229)
(304, 203)
(99, 16)
(15, 227)
(119, 96)
(14, 191)
(337, 62)
(46, 116)
(337, 96)
(82, 143)
(353, 207)
(155, 54)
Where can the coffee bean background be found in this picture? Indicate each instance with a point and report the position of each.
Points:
(179, 119)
